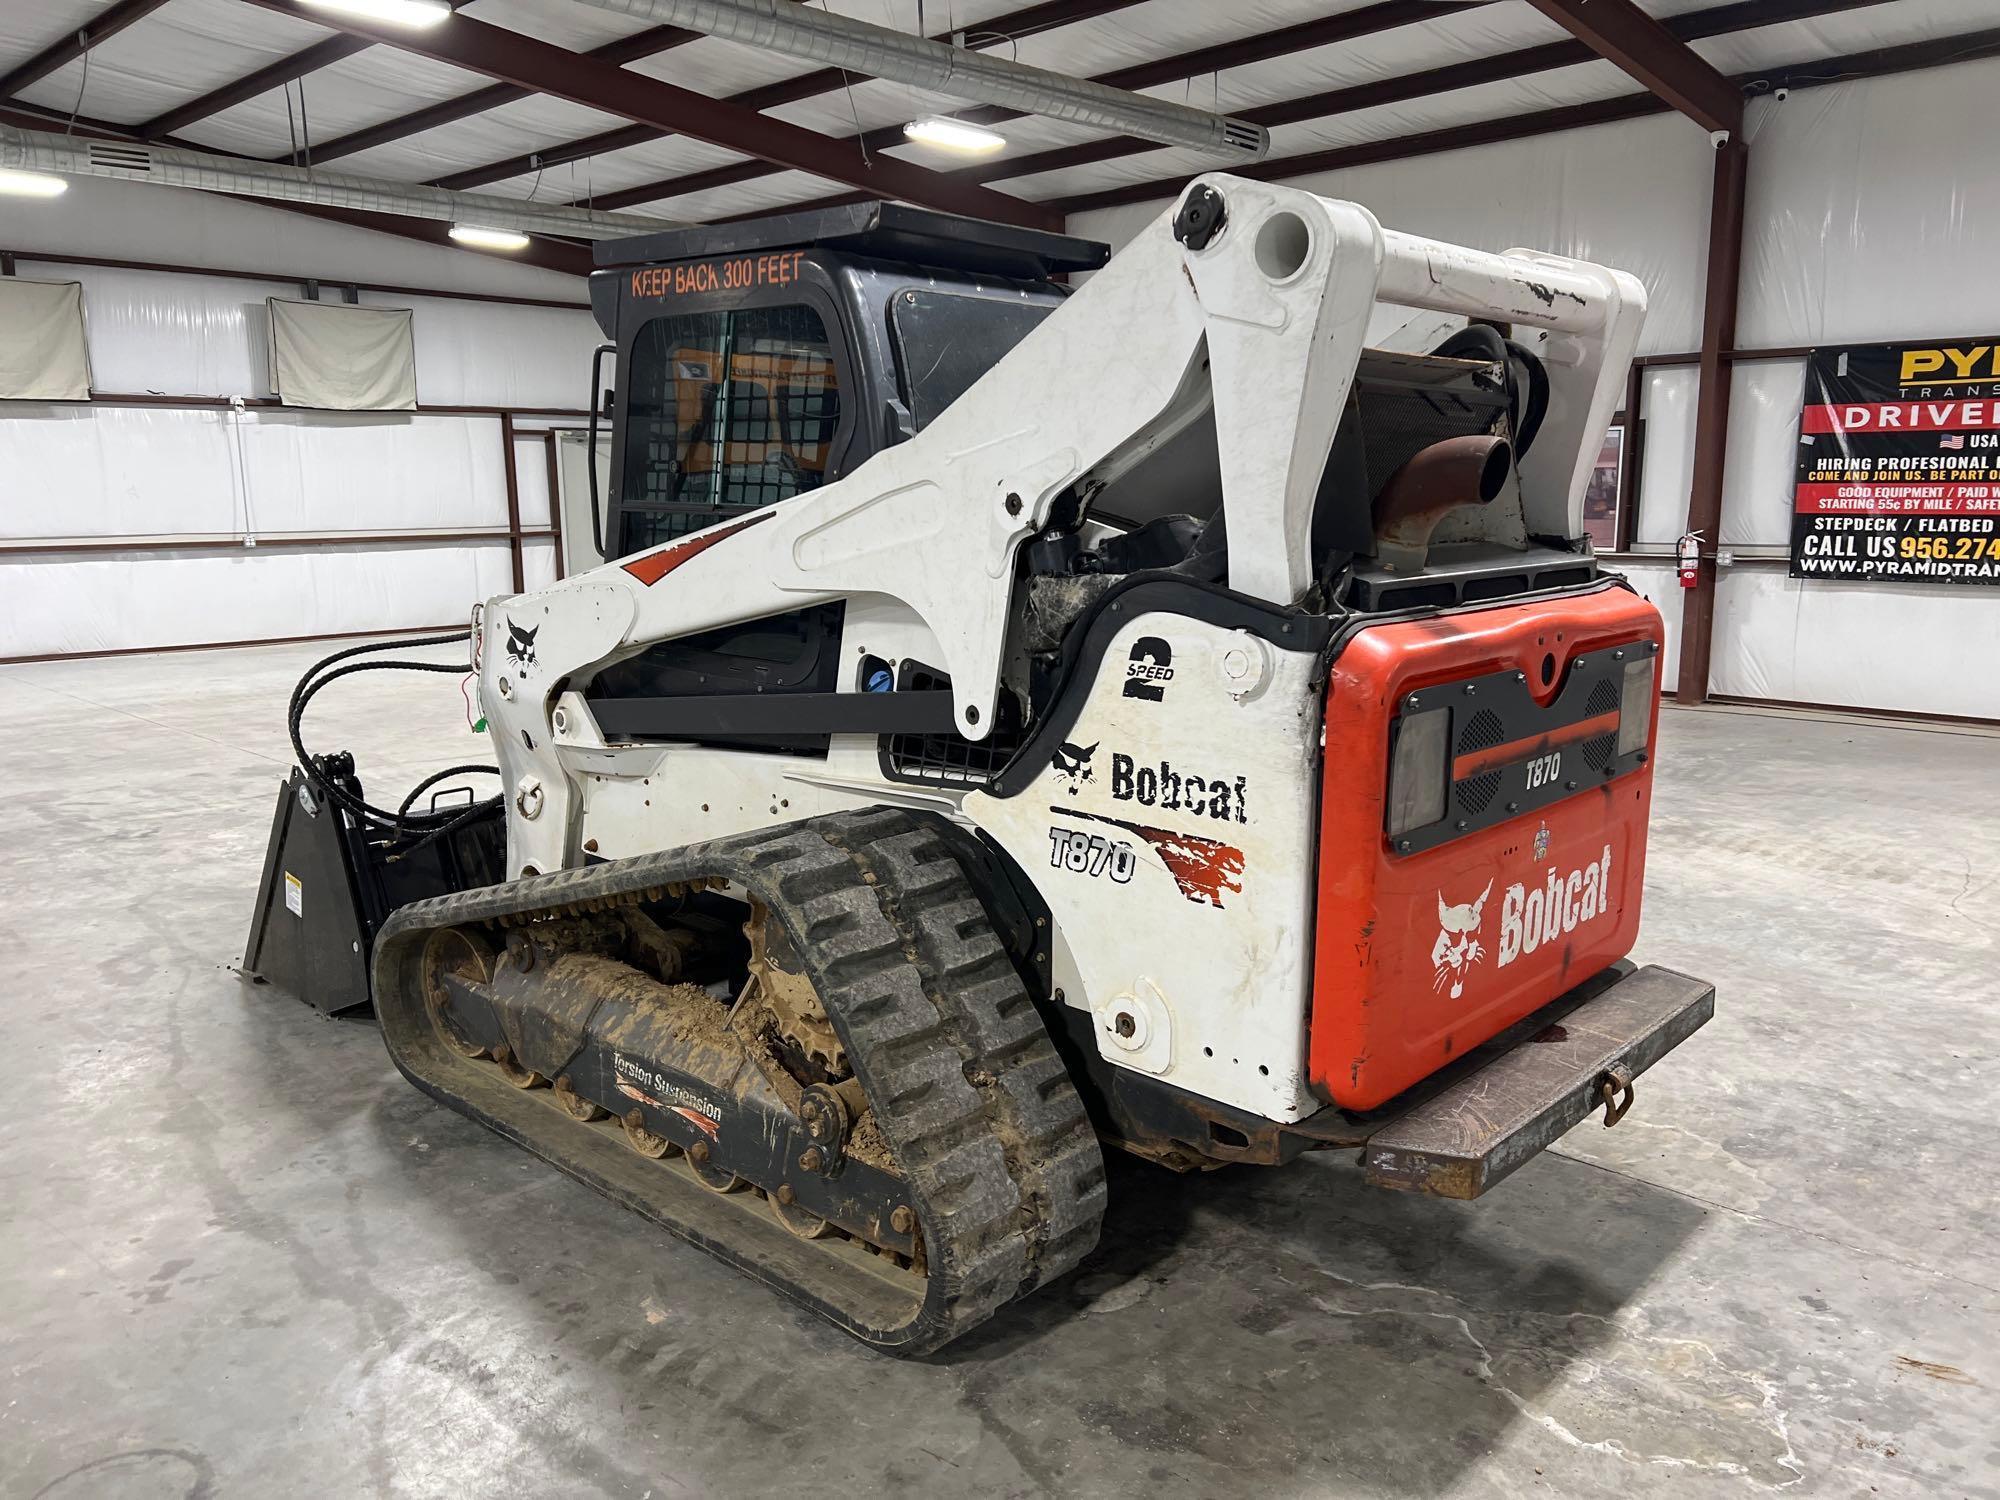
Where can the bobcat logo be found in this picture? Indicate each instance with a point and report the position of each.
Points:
(1458, 941)
(1072, 765)
(521, 645)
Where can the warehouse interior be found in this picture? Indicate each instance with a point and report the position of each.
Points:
(299, 354)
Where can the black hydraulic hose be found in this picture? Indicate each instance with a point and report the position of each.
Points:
(403, 812)
(1461, 343)
(1529, 422)
(424, 827)
(1525, 411)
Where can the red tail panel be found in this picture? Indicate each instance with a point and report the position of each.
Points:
(1422, 956)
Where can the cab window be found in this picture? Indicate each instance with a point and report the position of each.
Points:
(725, 411)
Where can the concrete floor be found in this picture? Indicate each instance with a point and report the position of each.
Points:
(239, 1256)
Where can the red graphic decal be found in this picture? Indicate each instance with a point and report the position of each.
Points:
(1900, 416)
(640, 1094)
(701, 1122)
(654, 566)
(1202, 868)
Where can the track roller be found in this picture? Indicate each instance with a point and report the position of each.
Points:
(819, 1016)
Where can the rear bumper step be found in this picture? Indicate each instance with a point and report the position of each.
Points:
(1480, 1130)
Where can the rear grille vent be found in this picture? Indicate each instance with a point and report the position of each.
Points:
(1481, 732)
(1598, 753)
(1603, 698)
(1475, 793)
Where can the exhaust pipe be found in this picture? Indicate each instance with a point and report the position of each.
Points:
(1434, 482)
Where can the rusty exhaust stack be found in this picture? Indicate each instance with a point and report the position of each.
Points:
(1431, 484)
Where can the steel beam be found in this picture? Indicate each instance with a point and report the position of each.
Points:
(109, 23)
(529, 63)
(1619, 32)
(550, 254)
(1717, 21)
(625, 49)
(1321, 32)
(1016, 24)
(275, 75)
(1740, 16)
(1711, 410)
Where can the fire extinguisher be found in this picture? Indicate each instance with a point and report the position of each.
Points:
(1690, 558)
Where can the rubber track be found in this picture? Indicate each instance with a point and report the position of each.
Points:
(978, 1111)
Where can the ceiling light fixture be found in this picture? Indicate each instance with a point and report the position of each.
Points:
(954, 135)
(489, 239)
(31, 184)
(418, 13)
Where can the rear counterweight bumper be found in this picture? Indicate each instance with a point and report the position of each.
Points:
(1485, 1125)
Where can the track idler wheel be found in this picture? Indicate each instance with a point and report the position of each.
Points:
(575, 1105)
(715, 1179)
(465, 955)
(642, 1140)
(804, 1223)
(513, 1072)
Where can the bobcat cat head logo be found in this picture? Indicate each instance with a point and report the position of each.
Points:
(521, 645)
(1072, 765)
(1457, 942)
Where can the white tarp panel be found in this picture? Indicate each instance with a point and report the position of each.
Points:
(111, 471)
(340, 358)
(1667, 465)
(531, 478)
(527, 358)
(538, 565)
(1907, 647)
(118, 601)
(43, 353)
(210, 336)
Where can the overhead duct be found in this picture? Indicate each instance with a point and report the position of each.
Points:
(860, 47)
(170, 166)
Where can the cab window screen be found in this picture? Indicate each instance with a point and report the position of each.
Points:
(725, 411)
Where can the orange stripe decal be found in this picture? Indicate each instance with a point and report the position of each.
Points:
(654, 566)
(1513, 750)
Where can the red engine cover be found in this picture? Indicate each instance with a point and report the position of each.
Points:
(1421, 957)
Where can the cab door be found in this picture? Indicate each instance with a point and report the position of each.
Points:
(729, 398)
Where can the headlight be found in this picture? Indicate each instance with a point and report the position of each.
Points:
(1417, 782)
(1635, 705)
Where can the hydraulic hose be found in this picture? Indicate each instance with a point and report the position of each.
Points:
(422, 828)
(1526, 409)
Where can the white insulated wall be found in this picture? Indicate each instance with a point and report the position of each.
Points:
(106, 471)
(1870, 216)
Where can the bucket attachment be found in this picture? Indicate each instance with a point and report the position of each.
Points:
(330, 883)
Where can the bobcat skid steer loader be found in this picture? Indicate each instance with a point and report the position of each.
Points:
(1018, 720)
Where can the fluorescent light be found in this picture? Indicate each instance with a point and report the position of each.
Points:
(19, 184)
(397, 12)
(955, 135)
(489, 239)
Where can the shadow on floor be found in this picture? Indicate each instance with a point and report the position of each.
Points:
(1253, 1325)
(1269, 1321)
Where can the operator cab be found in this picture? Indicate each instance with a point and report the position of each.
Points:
(759, 360)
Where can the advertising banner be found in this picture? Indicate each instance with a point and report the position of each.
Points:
(1898, 475)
